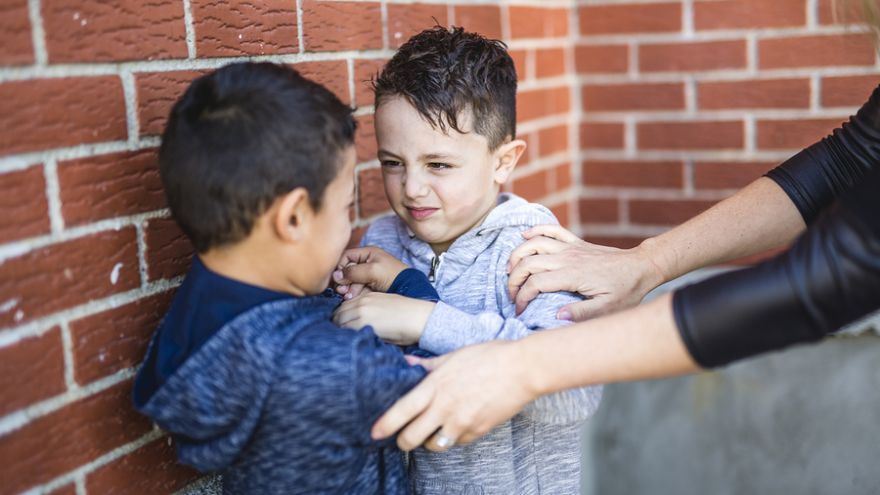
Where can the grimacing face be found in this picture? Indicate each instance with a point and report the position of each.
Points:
(440, 184)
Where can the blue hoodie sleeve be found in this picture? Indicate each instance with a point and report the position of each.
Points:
(380, 376)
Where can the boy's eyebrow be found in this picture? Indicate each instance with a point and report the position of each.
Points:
(424, 158)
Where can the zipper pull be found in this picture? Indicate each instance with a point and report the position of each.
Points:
(435, 262)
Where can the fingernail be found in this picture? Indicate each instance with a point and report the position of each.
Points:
(347, 296)
(376, 434)
(337, 275)
(564, 314)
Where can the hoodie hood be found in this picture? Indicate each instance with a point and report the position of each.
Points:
(511, 211)
(217, 395)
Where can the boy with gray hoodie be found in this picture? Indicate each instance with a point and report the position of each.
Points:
(445, 125)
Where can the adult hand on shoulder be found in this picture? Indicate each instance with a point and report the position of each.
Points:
(553, 259)
(395, 319)
(366, 267)
(466, 394)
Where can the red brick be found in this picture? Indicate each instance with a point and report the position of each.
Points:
(50, 113)
(816, 51)
(599, 210)
(748, 14)
(64, 275)
(483, 19)
(113, 340)
(549, 62)
(695, 56)
(665, 212)
(618, 241)
(100, 31)
(690, 135)
(156, 94)
(237, 27)
(60, 441)
(638, 96)
(154, 466)
(356, 235)
(794, 134)
(562, 177)
(593, 59)
(23, 202)
(533, 186)
(553, 140)
(364, 73)
(519, 61)
(541, 103)
(560, 211)
(841, 12)
(365, 139)
(332, 74)
(641, 18)
(328, 26)
(847, 91)
(169, 252)
(405, 20)
(770, 93)
(112, 185)
(601, 135)
(31, 370)
(371, 193)
(728, 175)
(537, 22)
(15, 33)
(633, 174)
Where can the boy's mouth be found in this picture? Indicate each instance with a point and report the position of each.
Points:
(420, 213)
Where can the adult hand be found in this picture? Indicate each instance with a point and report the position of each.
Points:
(466, 394)
(366, 268)
(553, 259)
(395, 319)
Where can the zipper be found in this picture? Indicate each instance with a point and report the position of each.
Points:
(435, 265)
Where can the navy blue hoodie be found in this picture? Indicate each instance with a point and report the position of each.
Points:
(262, 387)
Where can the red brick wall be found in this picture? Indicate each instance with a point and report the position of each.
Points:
(89, 258)
(684, 101)
(637, 113)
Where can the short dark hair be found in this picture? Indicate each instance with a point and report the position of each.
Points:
(242, 136)
(444, 72)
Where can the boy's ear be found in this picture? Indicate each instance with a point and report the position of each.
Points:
(292, 216)
(506, 157)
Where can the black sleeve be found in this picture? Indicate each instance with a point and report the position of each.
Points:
(828, 278)
(818, 175)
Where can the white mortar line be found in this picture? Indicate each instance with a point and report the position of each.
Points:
(129, 94)
(633, 61)
(386, 34)
(505, 23)
(751, 54)
(688, 177)
(53, 196)
(724, 34)
(190, 28)
(349, 66)
(690, 95)
(38, 35)
(739, 155)
(20, 418)
(812, 7)
(299, 27)
(81, 471)
(143, 269)
(80, 484)
(67, 348)
(17, 248)
(687, 18)
(815, 93)
(39, 326)
(24, 160)
(627, 230)
(630, 138)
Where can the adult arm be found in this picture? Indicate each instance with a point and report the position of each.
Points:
(830, 277)
(768, 213)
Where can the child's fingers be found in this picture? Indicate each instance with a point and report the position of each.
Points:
(355, 290)
(364, 274)
(429, 364)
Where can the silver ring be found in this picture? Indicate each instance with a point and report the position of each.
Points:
(443, 441)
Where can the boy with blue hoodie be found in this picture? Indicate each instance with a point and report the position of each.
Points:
(247, 371)
(445, 126)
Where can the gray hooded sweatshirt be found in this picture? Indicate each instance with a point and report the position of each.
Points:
(538, 450)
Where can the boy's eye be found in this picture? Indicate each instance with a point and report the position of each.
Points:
(390, 163)
(439, 166)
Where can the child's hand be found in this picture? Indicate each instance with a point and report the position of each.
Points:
(369, 267)
(395, 319)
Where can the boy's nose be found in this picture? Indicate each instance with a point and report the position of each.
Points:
(414, 187)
